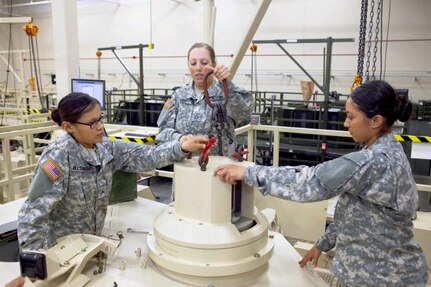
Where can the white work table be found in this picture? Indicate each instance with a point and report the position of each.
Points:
(283, 269)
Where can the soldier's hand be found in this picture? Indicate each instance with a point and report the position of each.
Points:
(230, 173)
(193, 143)
(184, 138)
(221, 72)
(312, 255)
(17, 282)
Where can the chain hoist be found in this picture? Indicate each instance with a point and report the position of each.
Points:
(361, 48)
(31, 30)
(370, 37)
(376, 39)
(219, 114)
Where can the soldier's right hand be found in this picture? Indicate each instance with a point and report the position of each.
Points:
(193, 143)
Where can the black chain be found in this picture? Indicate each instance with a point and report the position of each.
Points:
(370, 36)
(219, 118)
(362, 34)
(376, 39)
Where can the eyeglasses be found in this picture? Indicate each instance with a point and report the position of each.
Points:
(93, 124)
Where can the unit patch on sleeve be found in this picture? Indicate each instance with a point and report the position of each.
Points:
(169, 104)
(51, 169)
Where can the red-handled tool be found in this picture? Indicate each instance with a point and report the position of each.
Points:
(238, 155)
(203, 156)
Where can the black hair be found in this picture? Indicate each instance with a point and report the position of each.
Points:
(72, 106)
(379, 98)
(206, 47)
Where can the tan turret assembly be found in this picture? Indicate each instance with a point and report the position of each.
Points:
(212, 234)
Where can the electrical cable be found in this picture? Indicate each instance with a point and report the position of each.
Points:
(387, 36)
(381, 40)
(255, 72)
(8, 61)
(39, 79)
(151, 22)
(251, 73)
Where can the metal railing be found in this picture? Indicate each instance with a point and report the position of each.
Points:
(250, 130)
(25, 133)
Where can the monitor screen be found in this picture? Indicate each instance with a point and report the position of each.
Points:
(402, 92)
(94, 88)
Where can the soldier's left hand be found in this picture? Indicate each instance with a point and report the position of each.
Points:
(230, 173)
(312, 255)
(221, 72)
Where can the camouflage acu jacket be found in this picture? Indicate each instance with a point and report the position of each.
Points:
(70, 189)
(372, 229)
(187, 113)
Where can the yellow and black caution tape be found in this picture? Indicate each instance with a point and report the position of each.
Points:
(26, 111)
(144, 140)
(36, 111)
(401, 138)
(415, 139)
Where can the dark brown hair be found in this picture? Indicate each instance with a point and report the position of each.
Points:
(379, 98)
(72, 106)
(206, 47)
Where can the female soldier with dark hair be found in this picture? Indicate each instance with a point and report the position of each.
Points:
(372, 229)
(70, 189)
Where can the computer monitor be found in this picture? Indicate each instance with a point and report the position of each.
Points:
(94, 88)
(402, 92)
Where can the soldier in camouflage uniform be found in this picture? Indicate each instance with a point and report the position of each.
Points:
(70, 189)
(372, 229)
(187, 113)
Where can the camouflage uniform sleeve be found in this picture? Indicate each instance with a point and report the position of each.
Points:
(308, 184)
(327, 241)
(133, 157)
(44, 194)
(294, 183)
(240, 104)
(166, 122)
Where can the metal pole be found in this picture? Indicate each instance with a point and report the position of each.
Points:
(141, 86)
(125, 67)
(272, 123)
(98, 67)
(251, 30)
(299, 66)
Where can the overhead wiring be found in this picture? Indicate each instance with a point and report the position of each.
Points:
(151, 21)
(387, 38)
(8, 62)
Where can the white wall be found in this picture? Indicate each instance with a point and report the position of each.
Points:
(176, 25)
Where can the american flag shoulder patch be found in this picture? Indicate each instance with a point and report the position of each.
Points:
(169, 104)
(51, 169)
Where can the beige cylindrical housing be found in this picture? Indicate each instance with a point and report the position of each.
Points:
(199, 239)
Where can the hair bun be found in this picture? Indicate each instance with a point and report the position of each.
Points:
(55, 115)
(403, 108)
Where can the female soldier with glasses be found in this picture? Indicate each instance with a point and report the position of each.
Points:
(70, 189)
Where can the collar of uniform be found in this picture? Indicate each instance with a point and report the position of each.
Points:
(103, 151)
(88, 156)
(384, 140)
(213, 90)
